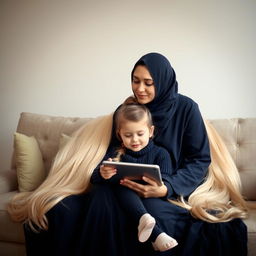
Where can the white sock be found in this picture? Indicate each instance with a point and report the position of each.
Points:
(146, 225)
(164, 242)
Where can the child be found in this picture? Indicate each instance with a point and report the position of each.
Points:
(133, 127)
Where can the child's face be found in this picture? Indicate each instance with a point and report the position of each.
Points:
(135, 135)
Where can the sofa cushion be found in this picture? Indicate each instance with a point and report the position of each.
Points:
(10, 231)
(30, 166)
(47, 131)
(63, 140)
(251, 226)
(8, 181)
(240, 138)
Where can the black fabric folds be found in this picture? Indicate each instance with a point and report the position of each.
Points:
(95, 223)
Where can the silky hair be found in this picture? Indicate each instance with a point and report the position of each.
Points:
(69, 175)
(219, 198)
(73, 165)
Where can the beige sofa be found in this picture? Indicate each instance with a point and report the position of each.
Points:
(238, 134)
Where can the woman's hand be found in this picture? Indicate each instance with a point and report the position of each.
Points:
(107, 171)
(149, 190)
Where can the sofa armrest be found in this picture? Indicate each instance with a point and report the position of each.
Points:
(8, 181)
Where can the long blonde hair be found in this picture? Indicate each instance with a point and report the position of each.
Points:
(74, 164)
(219, 198)
(70, 173)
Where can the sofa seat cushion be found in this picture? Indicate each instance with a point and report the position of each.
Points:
(11, 249)
(251, 227)
(10, 231)
(251, 222)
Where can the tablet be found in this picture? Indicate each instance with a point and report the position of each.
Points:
(135, 171)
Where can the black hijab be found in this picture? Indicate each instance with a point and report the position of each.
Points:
(164, 104)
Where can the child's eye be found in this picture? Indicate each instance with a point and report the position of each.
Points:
(127, 135)
(140, 134)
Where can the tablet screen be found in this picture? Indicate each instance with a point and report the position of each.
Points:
(135, 171)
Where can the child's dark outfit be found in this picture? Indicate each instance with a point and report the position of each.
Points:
(129, 200)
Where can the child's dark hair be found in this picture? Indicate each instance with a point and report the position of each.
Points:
(130, 111)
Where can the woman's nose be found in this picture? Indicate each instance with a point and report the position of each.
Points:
(141, 87)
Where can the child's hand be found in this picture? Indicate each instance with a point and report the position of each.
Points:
(107, 172)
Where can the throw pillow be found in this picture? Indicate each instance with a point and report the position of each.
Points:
(29, 162)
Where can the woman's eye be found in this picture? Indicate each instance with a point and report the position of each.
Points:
(135, 81)
(149, 83)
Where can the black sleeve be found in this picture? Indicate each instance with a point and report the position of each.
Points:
(164, 162)
(96, 178)
(196, 155)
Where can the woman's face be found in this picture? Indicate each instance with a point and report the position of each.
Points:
(143, 85)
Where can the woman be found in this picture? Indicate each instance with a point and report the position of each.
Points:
(92, 224)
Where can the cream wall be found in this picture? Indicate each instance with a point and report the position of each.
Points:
(73, 58)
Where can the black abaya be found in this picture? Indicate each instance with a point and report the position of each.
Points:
(94, 224)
